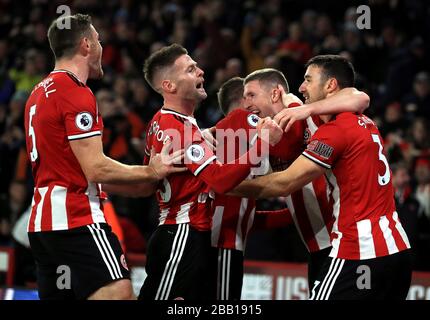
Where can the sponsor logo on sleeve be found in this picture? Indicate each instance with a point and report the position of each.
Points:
(253, 120)
(195, 152)
(84, 121)
(320, 148)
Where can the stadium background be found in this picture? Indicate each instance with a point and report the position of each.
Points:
(226, 38)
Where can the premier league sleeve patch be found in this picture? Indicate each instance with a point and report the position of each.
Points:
(253, 120)
(84, 121)
(195, 153)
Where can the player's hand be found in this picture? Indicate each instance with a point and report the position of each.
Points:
(287, 117)
(288, 98)
(163, 163)
(208, 135)
(269, 131)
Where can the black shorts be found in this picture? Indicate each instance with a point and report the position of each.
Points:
(178, 264)
(383, 278)
(316, 262)
(227, 273)
(91, 255)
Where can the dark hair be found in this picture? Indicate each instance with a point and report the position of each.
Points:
(159, 60)
(229, 93)
(64, 35)
(335, 66)
(268, 76)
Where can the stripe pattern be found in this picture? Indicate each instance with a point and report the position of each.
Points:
(56, 208)
(84, 135)
(322, 290)
(223, 275)
(172, 264)
(106, 251)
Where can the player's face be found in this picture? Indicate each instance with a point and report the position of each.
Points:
(95, 56)
(189, 79)
(257, 99)
(312, 87)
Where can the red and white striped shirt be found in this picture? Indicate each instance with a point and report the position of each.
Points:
(184, 197)
(311, 207)
(366, 223)
(60, 109)
(233, 216)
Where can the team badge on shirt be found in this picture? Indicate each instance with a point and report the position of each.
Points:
(195, 152)
(253, 120)
(84, 121)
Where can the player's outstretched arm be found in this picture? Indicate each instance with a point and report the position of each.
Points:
(223, 177)
(345, 100)
(99, 168)
(301, 172)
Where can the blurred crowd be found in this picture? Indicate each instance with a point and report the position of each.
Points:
(226, 38)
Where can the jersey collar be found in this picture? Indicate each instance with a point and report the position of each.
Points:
(170, 111)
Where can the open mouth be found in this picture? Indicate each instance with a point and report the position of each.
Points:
(200, 85)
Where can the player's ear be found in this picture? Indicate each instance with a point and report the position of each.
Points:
(84, 46)
(331, 85)
(168, 86)
(275, 95)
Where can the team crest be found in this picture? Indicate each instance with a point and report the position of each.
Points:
(195, 152)
(253, 120)
(84, 121)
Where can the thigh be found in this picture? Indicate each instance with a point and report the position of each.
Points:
(86, 258)
(394, 273)
(229, 274)
(338, 281)
(193, 274)
(178, 264)
(46, 271)
(315, 265)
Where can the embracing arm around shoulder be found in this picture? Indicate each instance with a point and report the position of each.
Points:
(301, 172)
(345, 100)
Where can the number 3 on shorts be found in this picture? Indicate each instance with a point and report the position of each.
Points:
(33, 154)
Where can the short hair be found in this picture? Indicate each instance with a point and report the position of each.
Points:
(230, 92)
(268, 76)
(335, 66)
(160, 60)
(64, 37)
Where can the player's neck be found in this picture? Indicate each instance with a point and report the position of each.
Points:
(73, 65)
(184, 106)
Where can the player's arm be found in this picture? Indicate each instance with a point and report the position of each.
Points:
(345, 100)
(223, 177)
(301, 172)
(99, 168)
